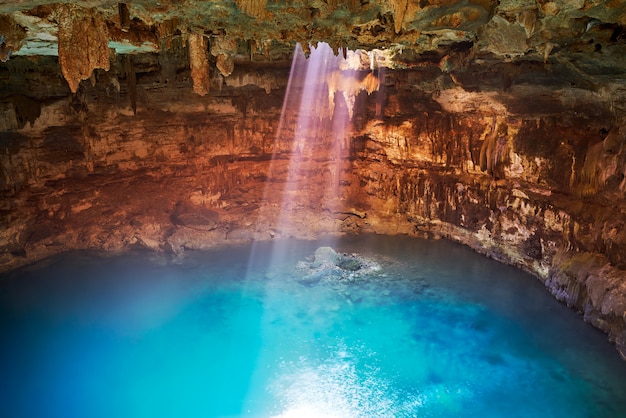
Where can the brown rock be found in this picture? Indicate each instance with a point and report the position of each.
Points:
(195, 217)
(83, 43)
(199, 63)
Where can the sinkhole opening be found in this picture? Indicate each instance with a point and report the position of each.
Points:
(361, 326)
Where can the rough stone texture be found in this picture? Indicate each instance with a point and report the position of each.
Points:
(83, 43)
(498, 125)
(254, 8)
(11, 36)
(199, 64)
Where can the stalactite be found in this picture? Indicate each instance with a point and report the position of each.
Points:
(604, 164)
(255, 8)
(131, 81)
(83, 43)
(331, 100)
(168, 31)
(306, 49)
(124, 14)
(495, 150)
(11, 36)
(546, 51)
(528, 19)
(5, 51)
(590, 177)
(224, 49)
(199, 63)
(399, 9)
(350, 88)
(173, 56)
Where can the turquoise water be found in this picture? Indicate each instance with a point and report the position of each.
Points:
(413, 329)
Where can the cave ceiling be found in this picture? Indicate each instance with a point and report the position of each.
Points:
(576, 42)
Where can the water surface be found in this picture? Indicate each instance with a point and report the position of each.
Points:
(415, 329)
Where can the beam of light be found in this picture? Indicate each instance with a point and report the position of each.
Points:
(303, 198)
(312, 119)
(311, 147)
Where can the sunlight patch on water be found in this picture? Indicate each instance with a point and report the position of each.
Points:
(334, 388)
(341, 387)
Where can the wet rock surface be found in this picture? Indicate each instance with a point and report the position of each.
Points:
(354, 276)
(328, 266)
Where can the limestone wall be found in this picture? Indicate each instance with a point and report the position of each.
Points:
(534, 180)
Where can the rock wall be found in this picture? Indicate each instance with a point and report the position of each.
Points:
(530, 176)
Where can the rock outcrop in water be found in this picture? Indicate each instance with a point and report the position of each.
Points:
(329, 266)
(500, 126)
(354, 277)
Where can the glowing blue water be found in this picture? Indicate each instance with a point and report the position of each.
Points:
(433, 330)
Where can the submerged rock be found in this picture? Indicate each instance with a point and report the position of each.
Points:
(349, 263)
(328, 256)
(313, 278)
(325, 256)
(335, 269)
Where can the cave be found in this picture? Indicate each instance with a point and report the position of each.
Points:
(165, 132)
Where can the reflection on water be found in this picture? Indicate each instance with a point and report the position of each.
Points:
(404, 328)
